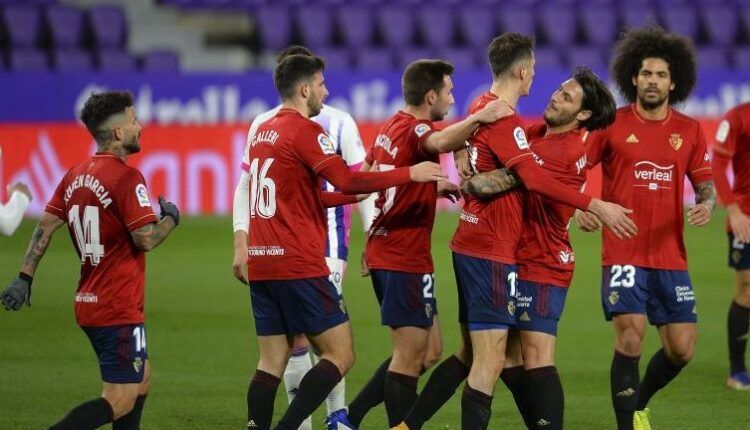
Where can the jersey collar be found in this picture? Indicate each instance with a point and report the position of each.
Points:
(651, 121)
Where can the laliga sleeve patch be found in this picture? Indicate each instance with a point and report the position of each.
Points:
(142, 196)
(722, 132)
(325, 144)
(421, 129)
(520, 137)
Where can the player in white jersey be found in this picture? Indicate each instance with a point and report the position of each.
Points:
(342, 130)
(19, 196)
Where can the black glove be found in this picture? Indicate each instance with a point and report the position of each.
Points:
(18, 293)
(169, 209)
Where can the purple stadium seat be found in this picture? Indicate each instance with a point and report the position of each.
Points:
(116, 61)
(516, 19)
(741, 57)
(406, 56)
(720, 22)
(436, 25)
(599, 23)
(315, 25)
(477, 26)
(161, 61)
(65, 26)
(28, 59)
(637, 16)
(72, 60)
(712, 58)
(356, 24)
(559, 24)
(108, 25)
(396, 25)
(374, 59)
(592, 57)
(23, 24)
(275, 26)
(681, 20)
(461, 58)
(547, 58)
(336, 58)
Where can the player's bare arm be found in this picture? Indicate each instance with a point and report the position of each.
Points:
(152, 235)
(705, 201)
(489, 184)
(239, 265)
(453, 137)
(587, 221)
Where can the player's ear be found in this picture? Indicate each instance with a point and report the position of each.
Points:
(671, 86)
(431, 97)
(118, 133)
(523, 72)
(583, 115)
(634, 79)
(304, 90)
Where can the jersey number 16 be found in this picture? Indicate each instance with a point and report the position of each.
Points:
(262, 190)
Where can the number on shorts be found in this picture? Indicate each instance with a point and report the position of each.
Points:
(87, 233)
(512, 279)
(428, 281)
(140, 339)
(622, 276)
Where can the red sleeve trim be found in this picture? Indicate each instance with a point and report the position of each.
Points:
(140, 222)
(723, 151)
(55, 211)
(321, 165)
(515, 160)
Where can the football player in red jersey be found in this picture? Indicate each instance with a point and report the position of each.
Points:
(289, 280)
(545, 258)
(485, 242)
(645, 156)
(398, 245)
(733, 145)
(107, 208)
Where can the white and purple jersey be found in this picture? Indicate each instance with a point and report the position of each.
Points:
(347, 143)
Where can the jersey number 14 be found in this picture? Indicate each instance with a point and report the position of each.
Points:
(86, 232)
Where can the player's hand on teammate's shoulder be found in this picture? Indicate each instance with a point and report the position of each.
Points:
(448, 190)
(21, 188)
(17, 293)
(463, 165)
(169, 209)
(426, 171)
(493, 111)
(699, 215)
(587, 221)
(739, 222)
(615, 217)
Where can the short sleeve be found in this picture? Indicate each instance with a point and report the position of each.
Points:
(699, 169)
(420, 132)
(352, 149)
(507, 139)
(314, 146)
(56, 204)
(133, 201)
(727, 133)
(595, 144)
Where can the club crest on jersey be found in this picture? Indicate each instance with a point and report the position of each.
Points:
(520, 137)
(676, 141)
(722, 132)
(325, 144)
(142, 195)
(421, 129)
(138, 364)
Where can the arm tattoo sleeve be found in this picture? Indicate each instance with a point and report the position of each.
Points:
(39, 242)
(705, 193)
(489, 184)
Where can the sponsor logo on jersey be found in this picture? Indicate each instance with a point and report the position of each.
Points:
(631, 139)
(706, 156)
(465, 216)
(655, 175)
(138, 364)
(581, 164)
(383, 141)
(263, 251)
(722, 132)
(325, 144)
(86, 298)
(520, 137)
(421, 129)
(614, 297)
(676, 141)
(566, 257)
(537, 158)
(142, 195)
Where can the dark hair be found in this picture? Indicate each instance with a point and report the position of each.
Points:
(653, 42)
(293, 50)
(293, 69)
(505, 50)
(421, 76)
(596, 98)
(100, 107)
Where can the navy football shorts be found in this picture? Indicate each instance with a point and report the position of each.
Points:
(298, 306)
(739, 254)
(486, 292)
(539, 306)
(406, 299)
(121, 351)
(665, 296)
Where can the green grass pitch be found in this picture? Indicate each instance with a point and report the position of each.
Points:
(202, 346)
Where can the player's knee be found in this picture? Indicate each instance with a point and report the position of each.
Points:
(534, 357)
(742, 295)
(682, 352)
(121, 400)
(433, 356)
(630, 341)
(344, 360)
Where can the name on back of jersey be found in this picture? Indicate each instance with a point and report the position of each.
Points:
(383, 141)
(93, 184)
(265, 136)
